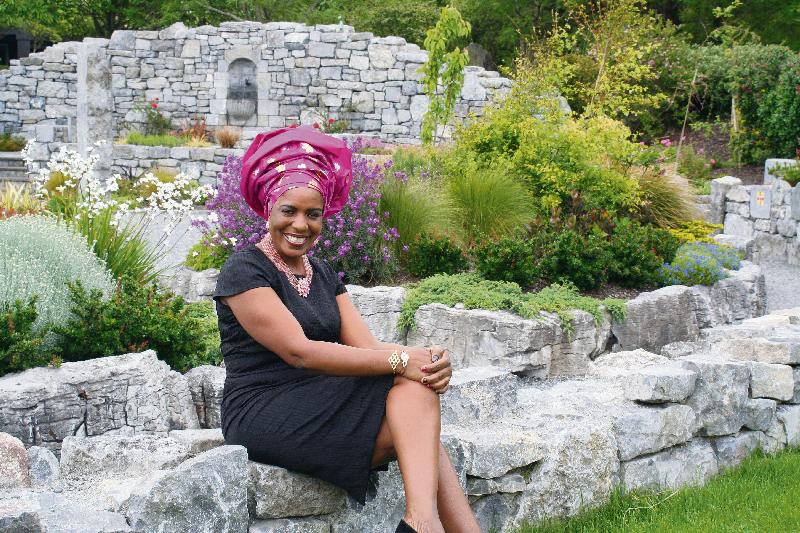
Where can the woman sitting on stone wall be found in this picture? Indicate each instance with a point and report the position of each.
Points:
(308, 387)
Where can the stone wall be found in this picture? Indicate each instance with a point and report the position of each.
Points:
(524, 450)
(253, 75)
(544, 347)
(762, 219)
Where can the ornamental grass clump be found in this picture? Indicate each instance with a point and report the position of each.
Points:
(38, 256)
(357, 241)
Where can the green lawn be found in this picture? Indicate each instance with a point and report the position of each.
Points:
(763, 495)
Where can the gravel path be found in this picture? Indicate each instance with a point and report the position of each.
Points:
(783, 285)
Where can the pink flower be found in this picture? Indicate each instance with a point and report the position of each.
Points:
(666, 143)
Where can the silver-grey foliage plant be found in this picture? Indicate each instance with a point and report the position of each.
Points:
(38, 256)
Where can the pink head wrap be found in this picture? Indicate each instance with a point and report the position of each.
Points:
(296, 157)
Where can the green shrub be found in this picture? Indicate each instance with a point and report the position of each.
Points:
(509, 259)
(580, 259)
(38, 256)
(205, 315)
(430, 255)
(202, 256)
(700, 263)
(137, 317)
(20, 348)
(634, 248)
(136, 137)
(693, 166)
(476, 293)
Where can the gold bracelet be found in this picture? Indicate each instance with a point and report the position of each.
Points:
(398, 360)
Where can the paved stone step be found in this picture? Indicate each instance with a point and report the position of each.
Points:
(12, 163)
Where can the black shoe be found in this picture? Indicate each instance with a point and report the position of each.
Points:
(403, 527)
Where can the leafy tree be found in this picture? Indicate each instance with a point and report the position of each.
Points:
(445, 66)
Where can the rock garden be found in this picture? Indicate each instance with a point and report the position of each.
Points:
(597, 285)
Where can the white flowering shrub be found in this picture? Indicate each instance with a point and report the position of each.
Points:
(38, 256)
(174, 199)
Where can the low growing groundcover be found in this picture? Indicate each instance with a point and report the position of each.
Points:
(762, 495)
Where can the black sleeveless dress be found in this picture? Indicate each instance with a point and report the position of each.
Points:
(320, 425)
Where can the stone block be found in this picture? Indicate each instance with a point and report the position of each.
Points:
(655, 319)
(290, 525)
(122, 40)
(643, 430)
(132, 392)
(205, 493)
(318, 49)
(206, 384)
(380, 308)
(789, 417)
(14, 464)
(44, 467)
(759, 414)
(646, 377)
(795, 202)
(732, 450)
(478, 393)
(108, 456)
(472, 88)
(734, 346)
(198, 441)
(760, 202)
(691, 464)
(275, 492)
(191, 49)
(738, 193)
(738, 225)
(720, 396)
(381, 56)
(363, 102)
(771, 381)
(374, 76)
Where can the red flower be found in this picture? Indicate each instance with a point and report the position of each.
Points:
(154, 105)
(292, 125)
(331, 121)
(316, 125)
(156, 98)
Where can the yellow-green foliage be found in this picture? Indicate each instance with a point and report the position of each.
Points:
(415, 205)
(18, 199)
(665, 199)
(135, 137)
(696, 231)
(569, 165)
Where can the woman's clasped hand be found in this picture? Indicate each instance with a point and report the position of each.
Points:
(430, 366)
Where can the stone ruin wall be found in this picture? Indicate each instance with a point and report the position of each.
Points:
(761, 219)
(253, 75)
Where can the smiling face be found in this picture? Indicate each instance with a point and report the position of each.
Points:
(294, 224)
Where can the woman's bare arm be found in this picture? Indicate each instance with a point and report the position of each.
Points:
(263, 315)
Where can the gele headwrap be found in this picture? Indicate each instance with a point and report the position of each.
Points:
(296, 157)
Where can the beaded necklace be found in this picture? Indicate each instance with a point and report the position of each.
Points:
(303, 284)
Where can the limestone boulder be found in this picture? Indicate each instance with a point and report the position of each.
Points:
(733, 449)
(206, 385)
(504, 340)
(739, 296)
(759, 414)
(789, 417)
(692, 463)
(643, 430)
(493, 450)
(646, 377)
(383, 509)
(720, 395)
(48, 512)
(129, 393)
(116, 456)
(761, 350)
(478, 393)
(205, 493)
(290, 525)
(380, 307)
(198, 440)
(275, 492)
(771, 381)
(44, 467)
(655, 319)
(13, 463)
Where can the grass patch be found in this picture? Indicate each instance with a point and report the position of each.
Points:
(477, 293)
(759, 496)
(135, 137)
